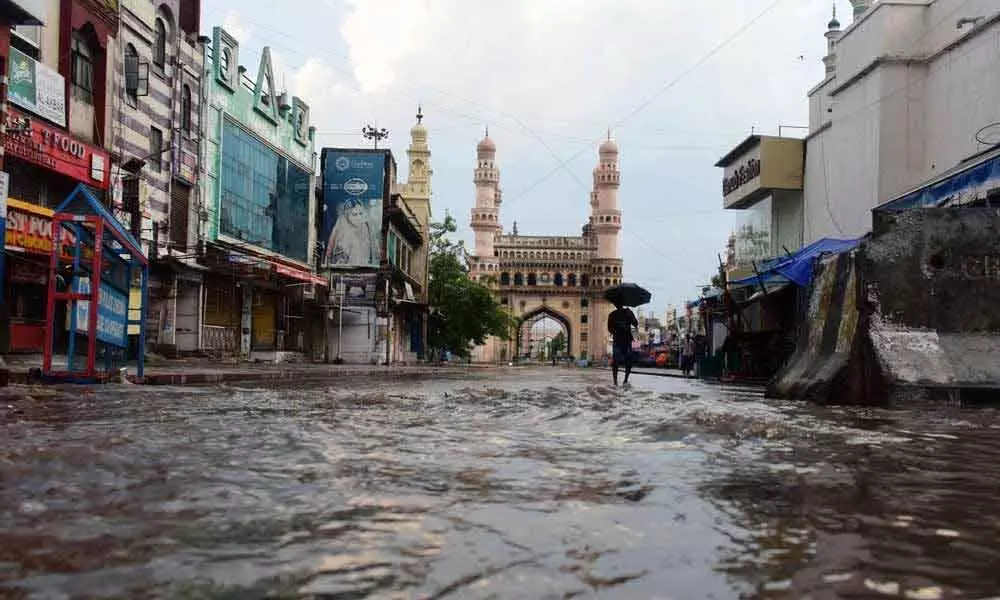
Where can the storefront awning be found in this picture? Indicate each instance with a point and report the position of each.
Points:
(797, 268)
(971, 181)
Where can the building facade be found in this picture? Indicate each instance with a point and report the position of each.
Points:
(258, 211)
(910, 91)
(156, 134)
(55, 123)
(763, 179)
(561, 277)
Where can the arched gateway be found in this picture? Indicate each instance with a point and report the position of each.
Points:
(558, 276)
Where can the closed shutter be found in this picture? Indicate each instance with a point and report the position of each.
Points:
(180, 198)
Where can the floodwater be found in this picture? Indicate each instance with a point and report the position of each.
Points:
(544, 483)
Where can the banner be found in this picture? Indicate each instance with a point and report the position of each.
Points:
(357, 289)
(37, 88)
(112, 313)
(353, 193)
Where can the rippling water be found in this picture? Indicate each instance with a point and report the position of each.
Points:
(523, 484)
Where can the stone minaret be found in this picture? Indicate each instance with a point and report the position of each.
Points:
(486, 213)
(605, 214)
(832, 35)
(417, 191)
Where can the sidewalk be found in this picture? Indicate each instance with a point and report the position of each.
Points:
(202, 371)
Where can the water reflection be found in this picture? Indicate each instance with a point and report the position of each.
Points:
(545, 484)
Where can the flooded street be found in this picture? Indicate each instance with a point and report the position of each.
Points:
(544, 483)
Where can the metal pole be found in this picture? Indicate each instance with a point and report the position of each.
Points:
(340, 319)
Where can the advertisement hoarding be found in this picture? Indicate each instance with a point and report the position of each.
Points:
(358, 289)
(353, 193)
(112, 313)
(37, 88)
(56, 150)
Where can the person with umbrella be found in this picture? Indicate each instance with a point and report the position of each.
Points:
(620, 324)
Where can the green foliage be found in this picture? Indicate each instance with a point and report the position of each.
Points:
(558, 344)
(464, 312)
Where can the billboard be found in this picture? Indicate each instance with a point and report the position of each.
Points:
(112, 313)
(36, 87)
(353, 192)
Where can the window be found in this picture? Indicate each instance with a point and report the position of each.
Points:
(155, 149)
(572, 280)
(82, 75)
(532, 279)
(583, 318)
(584, 303)
(27, 39)
(504, 278)
(227, 57)
(558, 279)
(518, 279)
(264, 196)
(186, 109)
(132, 73)
(160, 43)
(584, 281)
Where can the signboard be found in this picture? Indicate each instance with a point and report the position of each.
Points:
(4, 190)
(112, 313)
(36, 142)
(353, 193)
(759, 166)
(359, 289)
(741, 179)
(37, 88)
(29, 229)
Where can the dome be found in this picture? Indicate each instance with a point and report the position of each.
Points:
(486, 145)
(834, 24)
(418, 133)
(608, 146)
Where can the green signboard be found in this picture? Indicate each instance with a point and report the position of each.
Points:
(36, 88)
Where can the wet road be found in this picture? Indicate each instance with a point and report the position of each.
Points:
(542, 483)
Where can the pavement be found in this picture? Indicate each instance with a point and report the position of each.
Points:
(202, 371)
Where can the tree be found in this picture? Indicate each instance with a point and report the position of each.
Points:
(558, 344)
(464, 312)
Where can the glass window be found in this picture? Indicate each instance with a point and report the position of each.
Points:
(186, 109)
(82, 66)
(160, 43)
(265, 197)
(391, 247)
(155, 149)
(131, 73)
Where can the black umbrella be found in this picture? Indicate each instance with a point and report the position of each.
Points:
(627, 294)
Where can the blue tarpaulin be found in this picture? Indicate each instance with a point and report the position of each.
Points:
(965, 184)
(797, 268)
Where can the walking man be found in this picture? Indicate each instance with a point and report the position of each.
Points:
(688, 357)
(620, 323)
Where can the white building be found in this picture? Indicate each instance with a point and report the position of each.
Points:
(908, 86)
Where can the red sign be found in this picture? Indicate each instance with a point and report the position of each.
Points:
(34, 141)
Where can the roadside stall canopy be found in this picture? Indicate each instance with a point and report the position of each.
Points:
(797, 267)
(973, 180)
(105, 259)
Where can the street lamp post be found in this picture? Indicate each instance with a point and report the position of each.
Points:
(374, 134)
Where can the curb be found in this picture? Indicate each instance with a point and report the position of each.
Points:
(264, 376)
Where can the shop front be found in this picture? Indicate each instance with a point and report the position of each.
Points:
(44, 164)
(28, 242)
(257, 307)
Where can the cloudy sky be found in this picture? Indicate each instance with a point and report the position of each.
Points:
(679, 83)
